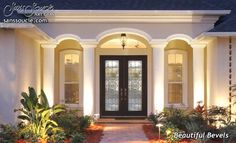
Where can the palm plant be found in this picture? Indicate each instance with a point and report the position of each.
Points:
(38, 114)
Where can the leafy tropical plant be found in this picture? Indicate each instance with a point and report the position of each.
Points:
(38, 114)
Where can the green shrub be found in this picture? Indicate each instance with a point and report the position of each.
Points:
(85, 122)
(175, 116)
(218, 116)
(156, 118)
(78, 138)
(26, 132)
(8, 133)
(58, 137)
(169, 130)
(231, 130)
(196, 123)
(69, 121)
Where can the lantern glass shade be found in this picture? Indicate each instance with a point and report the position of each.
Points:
(123, 40)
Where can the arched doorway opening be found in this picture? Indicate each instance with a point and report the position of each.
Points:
(122, 76)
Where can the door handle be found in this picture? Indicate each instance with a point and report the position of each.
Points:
(125, 98)
(121, 94)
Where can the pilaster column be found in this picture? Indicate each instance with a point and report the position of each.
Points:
(88, 77)
(198, 73)
(49, 71)
(158, 75)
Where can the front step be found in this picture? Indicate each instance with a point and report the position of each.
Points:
(122, 121)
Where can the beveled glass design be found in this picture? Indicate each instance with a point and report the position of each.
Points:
(175, 78)
(135, 85)
(111, 85)
(71, 83)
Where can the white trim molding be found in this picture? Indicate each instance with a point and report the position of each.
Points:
(183, 37)
(198, 45)
(124, 30)
(88, 43)
(144, 16)
(63, 37)
(49, 46)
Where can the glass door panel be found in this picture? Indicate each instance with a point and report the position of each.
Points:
(134, 85)
(111, 85)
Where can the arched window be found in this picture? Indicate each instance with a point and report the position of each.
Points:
(70, 79)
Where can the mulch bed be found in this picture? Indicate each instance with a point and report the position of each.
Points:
(153, 137)
(151, 134)
(94, 133)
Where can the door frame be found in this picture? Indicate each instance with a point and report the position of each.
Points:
(124, 59)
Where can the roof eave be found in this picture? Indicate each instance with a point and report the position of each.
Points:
(219, 34)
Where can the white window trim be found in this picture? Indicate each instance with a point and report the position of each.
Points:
(184, 104)
(62, 78)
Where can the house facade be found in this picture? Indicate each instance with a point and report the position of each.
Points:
(121, 62)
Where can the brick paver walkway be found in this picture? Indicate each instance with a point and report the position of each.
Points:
(123, 133)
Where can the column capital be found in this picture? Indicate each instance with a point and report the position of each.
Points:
(198, 45)
(158, 44)
(49, 45)
(89, 43)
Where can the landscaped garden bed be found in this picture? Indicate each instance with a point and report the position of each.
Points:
(214, 125)
(40, 123)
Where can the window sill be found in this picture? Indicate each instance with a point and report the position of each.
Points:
(181, 106)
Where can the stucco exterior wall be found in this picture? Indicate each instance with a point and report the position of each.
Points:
(8, 73)
(218, 72)
(19, 68)
(27, 63)
(156, 30)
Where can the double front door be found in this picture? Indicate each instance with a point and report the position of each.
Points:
(123, 86)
